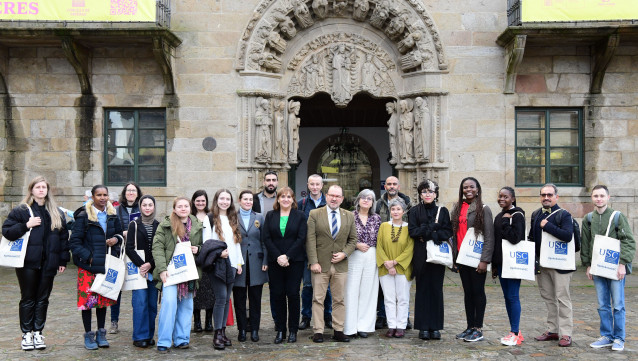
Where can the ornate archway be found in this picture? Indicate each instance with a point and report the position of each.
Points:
(296, 48)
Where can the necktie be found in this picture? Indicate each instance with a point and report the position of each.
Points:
(334, 224)
(547, 210)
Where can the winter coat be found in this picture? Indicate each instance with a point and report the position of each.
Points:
(210, 261)
(88, 239)
(46, 249)
(253, 251)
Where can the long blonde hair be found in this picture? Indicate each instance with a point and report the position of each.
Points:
(176, 224)
(49, 202)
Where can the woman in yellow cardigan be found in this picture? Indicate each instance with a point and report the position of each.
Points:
(394, 259)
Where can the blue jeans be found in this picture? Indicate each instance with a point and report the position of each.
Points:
(510, 289)
(115, 309)
(174, 318)
(144, 304)
(612, 321)
(306, 297)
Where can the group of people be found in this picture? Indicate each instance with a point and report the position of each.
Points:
(340, 257)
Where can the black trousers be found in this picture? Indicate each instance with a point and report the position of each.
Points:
(35, 289)
(253, 293)
(428, 303)
(475, 299)
(284, 293)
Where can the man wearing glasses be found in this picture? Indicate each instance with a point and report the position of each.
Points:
(332, 237)
(553, 284)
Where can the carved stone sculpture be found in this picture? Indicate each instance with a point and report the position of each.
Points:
(269, 62)
(293, 130)
(314, 75)
(281, 144)
(406, 122)
(263, 123)
(409, 42)
(286, 25)
(320, 8)
(369, 74)
(414, 59)
(340, 6)
(422, 129)
(302, 14)
(391, 108)
(380, 14)
(339, 58)
(274, 40)
(360, 9)
(396, 27)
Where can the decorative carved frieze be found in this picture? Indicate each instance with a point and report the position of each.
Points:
(360, 10)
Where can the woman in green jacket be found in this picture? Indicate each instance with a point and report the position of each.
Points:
(177, 300)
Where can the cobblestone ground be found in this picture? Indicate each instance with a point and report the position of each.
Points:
(64, 331)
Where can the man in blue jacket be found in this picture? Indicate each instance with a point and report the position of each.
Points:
(553, 284)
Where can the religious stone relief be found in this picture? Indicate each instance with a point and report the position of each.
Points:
(320, 8)
(340, 7)
(302, 14)
(416, 59)
(286, 25)
(391, 108)
(395, 29)
(293, 130)
(409, 42)
(281, 133)
(422, 128)
(380, 14)
(406, 126)
(360, 9)
(274, 40)
(340, 60)
(263, 124)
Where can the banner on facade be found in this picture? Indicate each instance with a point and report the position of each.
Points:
(79, 10)
(578, 10)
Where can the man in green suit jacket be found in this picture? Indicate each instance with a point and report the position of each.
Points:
(332, 237)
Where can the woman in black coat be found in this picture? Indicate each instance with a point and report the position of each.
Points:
(423, 227)
(47, 254)
(250, 283)
(96, 228)
(284, 235)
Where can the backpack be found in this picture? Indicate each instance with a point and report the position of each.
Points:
(616, 217)
(558, 217)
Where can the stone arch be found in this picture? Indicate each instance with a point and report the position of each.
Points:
(275, 22)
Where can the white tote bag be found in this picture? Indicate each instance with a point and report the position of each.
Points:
(133, 279)
(439, 254)
(181, 267)
(605, 255)
(12, 252)
(110, 283)
(555, 253)
(471, 250)
(518, 259)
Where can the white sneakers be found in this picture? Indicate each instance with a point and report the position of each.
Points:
(27, 341)
(513, 339)
(38, 341)
(32, 340)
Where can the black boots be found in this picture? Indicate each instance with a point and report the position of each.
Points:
(197, 321)
(218, 342)
(209, 321)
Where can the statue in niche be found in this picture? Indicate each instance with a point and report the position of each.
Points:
(406, 122)
(293, 130)
(422, 128)
(339, 58)
(380, 14)
(320, 8)
(281, 145)
(269, 62)
(391, 108)
(302, 14)
(340, 6)
(360, 10)
(409, 42)
(369, 75)
(314, 75)
(396, 26)
(274, 40)
(413, 59)
(263, 122)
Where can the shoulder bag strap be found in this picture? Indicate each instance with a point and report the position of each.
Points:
(438, 210)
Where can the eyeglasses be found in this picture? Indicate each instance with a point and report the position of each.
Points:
(335, 195)
(427, 191)
(131, 191)
(547, 195)
(369, 199)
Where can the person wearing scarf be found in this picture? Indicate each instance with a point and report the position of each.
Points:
(177, 300)
(144, 301)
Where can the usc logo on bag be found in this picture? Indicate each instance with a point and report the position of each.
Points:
(520, 257)
(179, 261)
(477, 246)
(132, 268)
(558, 247)
(611, 256)
(111, 276)
(443, 247)
(16, 246)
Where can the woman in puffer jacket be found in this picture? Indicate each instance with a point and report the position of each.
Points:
(96, 228)
(47, 254)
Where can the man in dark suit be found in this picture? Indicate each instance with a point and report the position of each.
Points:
(332, 237)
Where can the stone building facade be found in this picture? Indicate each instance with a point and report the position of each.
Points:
(231, 78)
